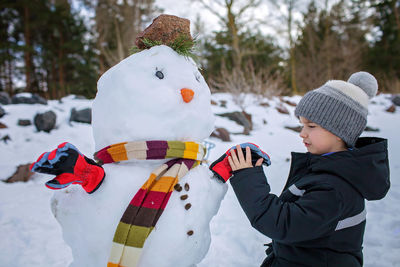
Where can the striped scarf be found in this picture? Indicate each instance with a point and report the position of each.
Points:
(147, 205)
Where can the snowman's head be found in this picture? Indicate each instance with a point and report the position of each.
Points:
(155, 94)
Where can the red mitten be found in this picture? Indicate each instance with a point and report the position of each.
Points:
(70, 167)
(223, 171)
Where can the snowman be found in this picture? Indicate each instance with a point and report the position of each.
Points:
(151, 113)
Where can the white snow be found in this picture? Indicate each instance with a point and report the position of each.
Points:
(32, 237)
(132, 103)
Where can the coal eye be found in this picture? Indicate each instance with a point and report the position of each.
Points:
(159, 75)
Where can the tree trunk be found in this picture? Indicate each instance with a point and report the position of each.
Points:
(9, 74)
(328, 44)
(291, 49)
(396, 15)
(53, 80)
(237, 57)
(27, 52)
(61, 72)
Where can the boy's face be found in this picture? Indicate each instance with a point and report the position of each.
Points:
(318, 140)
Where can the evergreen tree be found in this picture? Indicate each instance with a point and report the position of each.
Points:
(50, 40)
(331, 45)
(260, 50)
(383, 58)
(9, 50)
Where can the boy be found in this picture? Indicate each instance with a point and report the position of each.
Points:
(319, 219)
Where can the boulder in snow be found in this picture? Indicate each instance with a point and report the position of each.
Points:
(26, 98)
(371, 129)
(83, 115)
(240, 118)
(45, 121)
(3, 126)
(22, 122)
(22, 174)
(4, 98)
(282, 109)
(396, 100)
(222, 134)
(288, 102)
(2, 112)
(391, 109)
(5, 138)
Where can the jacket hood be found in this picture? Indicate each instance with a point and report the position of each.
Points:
(365, 167)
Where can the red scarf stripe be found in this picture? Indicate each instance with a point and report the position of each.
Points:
(151, 200)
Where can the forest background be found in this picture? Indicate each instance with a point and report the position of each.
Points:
(58, 47)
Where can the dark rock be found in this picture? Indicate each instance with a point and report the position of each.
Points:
(370, 129)
(5, 138)
(45, 121)
(213, 103)
(2, 112)
(396, 100)
(39, 100)
(4, 98)
(188, 206)
(391, 109)
(264, 121)
(222, 134)
(297, 129)
(288, 102)
(240, 118)
(248, 117)
(33, 99)
(3, 126)
(189, 233)
(165, 29)
(22, 174)
(83, 115)
(223, 103)
(264, 104)
(282, 109)
(184, 197)
(22, 122)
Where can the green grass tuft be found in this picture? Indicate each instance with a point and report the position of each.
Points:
(183, 45)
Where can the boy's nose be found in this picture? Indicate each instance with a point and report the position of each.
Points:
(302, 133)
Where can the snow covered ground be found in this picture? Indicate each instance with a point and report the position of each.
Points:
(30, 236)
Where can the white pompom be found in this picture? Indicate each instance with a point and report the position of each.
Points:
(365, 81)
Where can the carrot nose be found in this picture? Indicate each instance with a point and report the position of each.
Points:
(187, 94)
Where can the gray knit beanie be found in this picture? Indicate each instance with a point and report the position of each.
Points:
(340, 107)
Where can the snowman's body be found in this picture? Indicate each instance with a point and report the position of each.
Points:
(134, 103)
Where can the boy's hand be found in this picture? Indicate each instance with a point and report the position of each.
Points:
(229, 161)
(238, 162)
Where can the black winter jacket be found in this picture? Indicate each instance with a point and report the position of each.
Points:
(319, 219)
